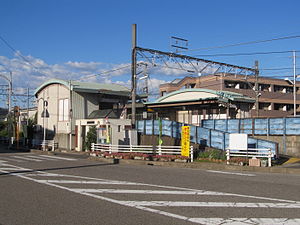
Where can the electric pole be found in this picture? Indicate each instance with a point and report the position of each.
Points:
(256, 89)
(133, 77)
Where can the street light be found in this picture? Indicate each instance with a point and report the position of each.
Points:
(45, 114)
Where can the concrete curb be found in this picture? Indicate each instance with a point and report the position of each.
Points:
(194, 165)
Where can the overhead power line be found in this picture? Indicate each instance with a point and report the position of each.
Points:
(245, 43)
(248, 53)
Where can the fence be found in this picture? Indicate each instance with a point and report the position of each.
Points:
(147, 149)
(45, 144)
(199, 135)
(256, 126)
(257, 153)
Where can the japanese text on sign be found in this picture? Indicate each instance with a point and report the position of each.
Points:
(185, 141)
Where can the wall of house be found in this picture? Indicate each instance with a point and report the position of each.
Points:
(52, 94)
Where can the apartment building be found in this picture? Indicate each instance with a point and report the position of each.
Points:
(275, 97)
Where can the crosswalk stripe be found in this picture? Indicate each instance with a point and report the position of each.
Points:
(14, 160)
(213, 204)
(28, 159)
(40, 158)
(57, 157)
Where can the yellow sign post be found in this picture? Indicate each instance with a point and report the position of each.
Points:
(185, 141)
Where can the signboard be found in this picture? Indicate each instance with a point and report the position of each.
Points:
(185, 141)
(238, 141)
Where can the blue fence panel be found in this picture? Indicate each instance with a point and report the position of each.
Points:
(267, 144)
(293, 126)
(156, 127)
(208, 124)
(140, 126)
(233, 126)
(252, 142)
(203, 136)
(176, 130)
(149, 127)
(246, 126)
(193, 136)
(167, 128)
(261, 126)
(277, 126)
(217, 139)
(221, 125)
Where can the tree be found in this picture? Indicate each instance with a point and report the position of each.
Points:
(91, 137)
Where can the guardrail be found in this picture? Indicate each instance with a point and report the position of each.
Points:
(45, 144)
(147, 149)
(250, 153)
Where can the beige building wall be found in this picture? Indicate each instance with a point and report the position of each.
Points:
(52, 94)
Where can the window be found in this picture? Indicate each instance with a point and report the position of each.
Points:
(63, 110)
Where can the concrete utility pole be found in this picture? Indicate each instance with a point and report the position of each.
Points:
(294, 84)
(133, 77)
(256, 89)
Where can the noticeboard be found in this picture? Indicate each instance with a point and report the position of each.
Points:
(185, 141)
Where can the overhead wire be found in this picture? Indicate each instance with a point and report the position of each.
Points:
(245, 43)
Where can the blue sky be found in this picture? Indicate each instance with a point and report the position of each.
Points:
(74, 39)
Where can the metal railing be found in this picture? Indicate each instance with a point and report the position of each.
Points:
(250, 153)
(45, 144)
(147, 149)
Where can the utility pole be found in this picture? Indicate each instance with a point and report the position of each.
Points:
(294, 85)
(27, 121)
(256, 89)
(133, 77)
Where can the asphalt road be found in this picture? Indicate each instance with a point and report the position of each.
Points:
(64, 189)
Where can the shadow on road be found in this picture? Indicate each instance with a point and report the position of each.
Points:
(4, 149)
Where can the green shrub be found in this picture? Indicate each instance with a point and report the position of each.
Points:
(213, 154)
(91, 137)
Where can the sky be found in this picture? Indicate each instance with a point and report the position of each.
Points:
(83, 39)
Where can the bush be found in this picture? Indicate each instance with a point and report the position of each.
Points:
(213, 154)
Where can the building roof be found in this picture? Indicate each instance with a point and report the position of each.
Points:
(105, 113)
(112, 89)
(199, 94)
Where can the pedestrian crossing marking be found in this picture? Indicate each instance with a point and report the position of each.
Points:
(148, 205)
(34, 158)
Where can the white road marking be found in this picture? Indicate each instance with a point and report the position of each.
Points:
(7, 168)
(40, 158)
(209, 221)
(57, 157)
(123, 191)
(88, 182)
(230, 221)
(213, 204)
(25, 158)
(15, 160)
(231, 173)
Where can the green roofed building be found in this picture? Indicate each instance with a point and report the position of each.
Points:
(192, 105)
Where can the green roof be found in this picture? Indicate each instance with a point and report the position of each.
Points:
(224, 96)
(113, 89)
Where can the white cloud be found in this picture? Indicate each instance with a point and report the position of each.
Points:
(32, 72)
